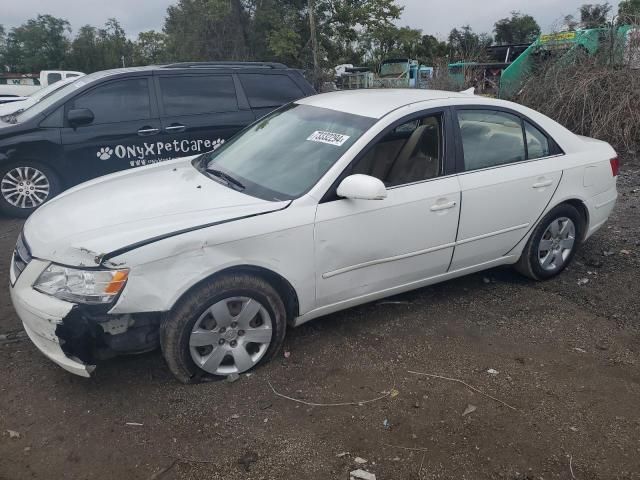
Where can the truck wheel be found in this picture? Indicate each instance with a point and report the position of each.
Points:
(25, 187)
(224, 326)
(553, 243)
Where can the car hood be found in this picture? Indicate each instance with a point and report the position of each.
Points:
(99, 217)
(13, 107)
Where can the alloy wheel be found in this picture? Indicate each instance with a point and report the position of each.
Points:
(231, 336)
(556, 244)
(25, 187)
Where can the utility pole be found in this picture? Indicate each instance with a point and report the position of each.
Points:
(314, 43)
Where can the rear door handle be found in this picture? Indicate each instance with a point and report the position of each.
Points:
(438, 207)
(145, 132)
(175, 128)
(543, 184)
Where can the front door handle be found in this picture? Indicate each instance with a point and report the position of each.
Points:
(175, 128)
(147, 131)
(438, 207)
(543, 184)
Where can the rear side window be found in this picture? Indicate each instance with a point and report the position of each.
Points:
(490, 138)
(119, 101)
(191, 95)
(537, 142)
(265, 91)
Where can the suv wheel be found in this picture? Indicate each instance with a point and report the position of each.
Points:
(225, 326)
(553, 243)
(25, 187)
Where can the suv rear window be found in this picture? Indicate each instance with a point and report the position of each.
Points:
(190, 95)
(265, 91)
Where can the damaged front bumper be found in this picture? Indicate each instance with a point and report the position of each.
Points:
(77, 336)
(42, 315)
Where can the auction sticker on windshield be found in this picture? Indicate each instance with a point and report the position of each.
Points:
(336, 139)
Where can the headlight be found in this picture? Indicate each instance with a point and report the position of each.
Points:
(81, 286)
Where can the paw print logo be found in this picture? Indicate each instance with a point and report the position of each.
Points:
(104, 153)
(216, 144)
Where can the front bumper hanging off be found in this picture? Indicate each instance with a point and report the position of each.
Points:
(41, 315)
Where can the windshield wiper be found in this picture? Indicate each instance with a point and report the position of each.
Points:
(226, 177)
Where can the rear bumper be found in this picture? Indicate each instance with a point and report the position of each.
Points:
(41, 315)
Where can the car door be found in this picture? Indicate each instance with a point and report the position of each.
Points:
(367, 246)
(199, 112)
(509, 171)
(122, 134)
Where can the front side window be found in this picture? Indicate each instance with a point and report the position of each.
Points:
(264, 91)
(286, 153)
(410, 153)
(192, 95)
(490, 138)
(119, 101)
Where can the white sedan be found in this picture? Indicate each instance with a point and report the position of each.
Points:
(330, 202)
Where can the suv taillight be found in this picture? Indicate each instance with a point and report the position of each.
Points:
(615, 166)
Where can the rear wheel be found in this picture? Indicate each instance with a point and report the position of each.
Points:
(553, 243)
(225, 326)
(26, 186)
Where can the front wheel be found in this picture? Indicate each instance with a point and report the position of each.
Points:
(25, 187)
(553, 243)
(225, 326)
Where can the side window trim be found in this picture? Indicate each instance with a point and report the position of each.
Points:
(554, 148)
(153, 108)
(448, 153)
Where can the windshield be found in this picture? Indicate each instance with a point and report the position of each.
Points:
(46, 102)
(45, 92)
(285, 154)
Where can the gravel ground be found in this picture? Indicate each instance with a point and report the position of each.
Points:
(567, 356)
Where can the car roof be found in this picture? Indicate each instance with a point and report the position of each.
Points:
(376, 103)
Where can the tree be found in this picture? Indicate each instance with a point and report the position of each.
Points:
(207, 30)
(38, 44)
(465, 45)
(96, 49)
(570, 23)
(3, 44)
(594, 15)
(517, 29)
(84, 50)
(431, 50)
(149, 48)
(629, 12)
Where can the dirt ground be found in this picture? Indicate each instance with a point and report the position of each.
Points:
(567, 356)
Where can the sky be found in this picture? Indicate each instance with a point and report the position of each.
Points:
(436, 17)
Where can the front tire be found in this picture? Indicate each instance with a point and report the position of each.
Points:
(26, 186)
(224, 326)
(553, 243)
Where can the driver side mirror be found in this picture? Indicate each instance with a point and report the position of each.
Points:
(79, 116)
(362, 187)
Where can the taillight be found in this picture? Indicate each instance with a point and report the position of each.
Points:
(615, 166)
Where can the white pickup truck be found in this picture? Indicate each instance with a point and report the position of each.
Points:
(14, 88)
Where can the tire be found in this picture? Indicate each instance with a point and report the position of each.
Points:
(208, 334)
(536, 261)
(39, 182)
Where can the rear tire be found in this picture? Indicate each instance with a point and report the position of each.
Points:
(25, 186)
(224, 326)
(553, 243)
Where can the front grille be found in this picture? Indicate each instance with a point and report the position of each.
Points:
(21, 256)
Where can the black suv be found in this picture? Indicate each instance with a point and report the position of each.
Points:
(124, 118)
